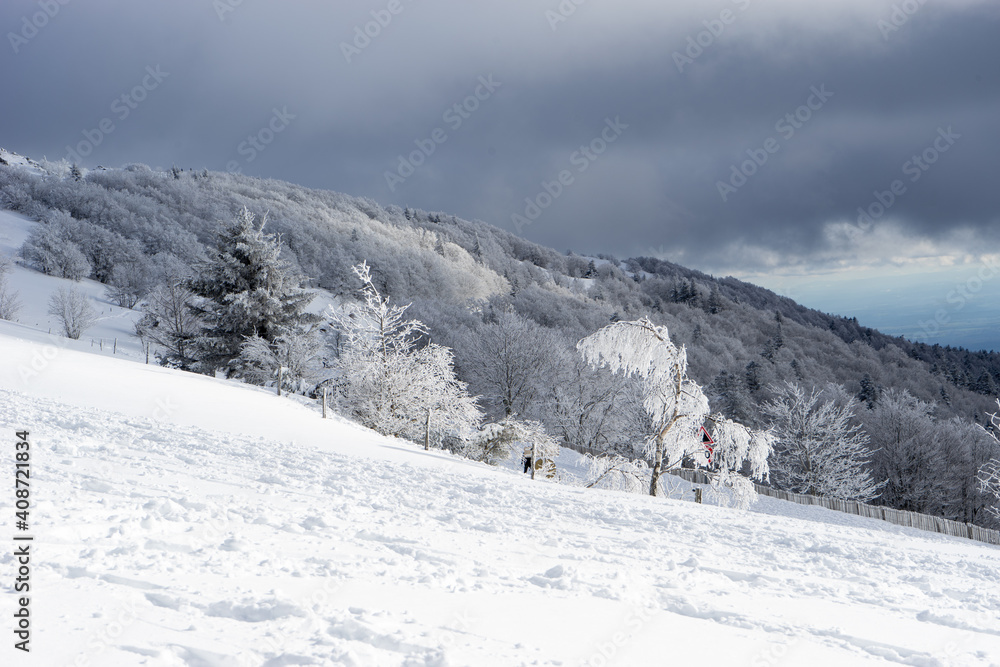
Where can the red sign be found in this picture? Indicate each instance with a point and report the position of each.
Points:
(707, 442)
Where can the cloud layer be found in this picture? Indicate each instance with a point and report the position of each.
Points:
(803, 112)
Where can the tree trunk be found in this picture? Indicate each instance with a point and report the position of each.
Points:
(427, 432)
(324, 402)
(280, 369)
(534, 459)
(654, 478)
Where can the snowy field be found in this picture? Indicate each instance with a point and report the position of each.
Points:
(183, 520)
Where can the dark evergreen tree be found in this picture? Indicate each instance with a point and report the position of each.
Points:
(714, 301)
(985, 384)
(245, 290)
(869, 393)
(945, 397)
(753, 376)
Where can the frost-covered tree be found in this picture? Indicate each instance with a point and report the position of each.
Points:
(245, 290)
(618, 473)
(817, 449)
(10, 304)
(392, 385)
(595, 409)
(169, 322)
(294, 356)
(73, 310)
(129, 283)
(989, 483)
(988, 475)
(677, 406)
(906, 452)
(508, 360)
(49, 249)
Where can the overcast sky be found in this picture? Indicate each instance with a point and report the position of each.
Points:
(734, 136)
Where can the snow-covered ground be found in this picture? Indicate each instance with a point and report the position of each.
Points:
(184, 520)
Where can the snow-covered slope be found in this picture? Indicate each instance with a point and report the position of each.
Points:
(183, 520)
(14, 160)
(34, 290)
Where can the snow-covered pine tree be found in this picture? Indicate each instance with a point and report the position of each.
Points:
(245, 290)
(817, 449)
(388, 383)
(677, 406)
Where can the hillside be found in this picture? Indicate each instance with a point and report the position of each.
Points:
(183, 520)
(464, 278)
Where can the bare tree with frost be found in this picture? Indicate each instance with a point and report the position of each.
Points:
(392, 385)
(73, 310)
(291, 360)
(10, 304)
(989, 474)
(817, 449)
(677, 407)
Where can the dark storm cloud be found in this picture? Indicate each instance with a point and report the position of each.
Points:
(234, 67)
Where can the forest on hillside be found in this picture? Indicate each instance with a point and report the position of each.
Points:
(510, 314)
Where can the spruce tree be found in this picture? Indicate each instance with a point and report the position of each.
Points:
(245, 290)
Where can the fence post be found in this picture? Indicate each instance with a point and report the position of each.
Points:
(324, 402)
(697, 495)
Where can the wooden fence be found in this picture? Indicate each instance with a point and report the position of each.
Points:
(934, 524)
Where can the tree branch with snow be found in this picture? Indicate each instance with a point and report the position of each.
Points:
(677, 406)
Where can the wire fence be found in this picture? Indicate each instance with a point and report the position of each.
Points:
(926, 522)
